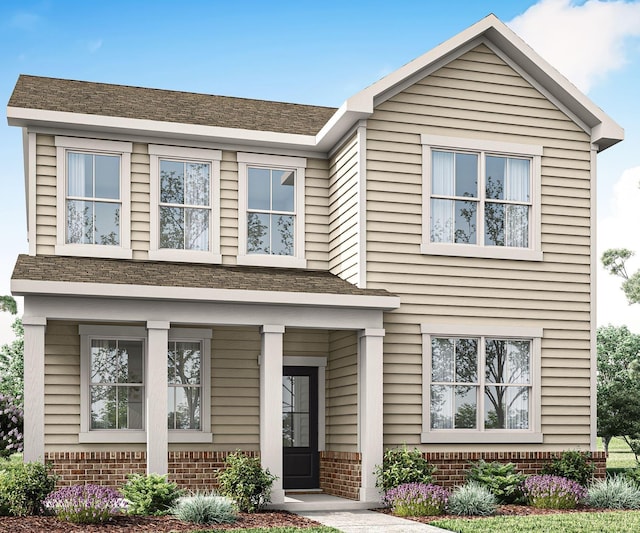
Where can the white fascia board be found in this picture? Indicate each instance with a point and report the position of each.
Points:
(349, 113)
(112, 290)
(18, 116)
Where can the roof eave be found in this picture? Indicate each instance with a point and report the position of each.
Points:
(27, 287)
(27, 117)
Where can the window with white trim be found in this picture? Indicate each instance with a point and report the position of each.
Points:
(481, 198)
(185, 195)
(93, 200)
(271, 214)
(480, 384)
(113, 384)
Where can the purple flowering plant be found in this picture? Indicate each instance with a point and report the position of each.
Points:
(417, 499)
(11, 426)
(85, 504)
(553, 492)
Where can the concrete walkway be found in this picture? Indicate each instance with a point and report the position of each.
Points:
(368, 522)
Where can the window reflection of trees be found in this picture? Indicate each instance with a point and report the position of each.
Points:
(184, 368)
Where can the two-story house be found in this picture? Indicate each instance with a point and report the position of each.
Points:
(311, 284)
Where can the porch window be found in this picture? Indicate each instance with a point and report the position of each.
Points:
(185, 385)
(117, 384)
(481, 385)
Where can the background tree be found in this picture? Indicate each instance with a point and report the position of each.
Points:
(618, 388)
(12, 355)
(614, 261)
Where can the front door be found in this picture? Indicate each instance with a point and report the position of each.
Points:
(300, 427)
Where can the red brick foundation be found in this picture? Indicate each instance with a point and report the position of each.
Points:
(452, 466)
(190, 470)
(340, 474)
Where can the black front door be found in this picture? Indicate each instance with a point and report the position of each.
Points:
(300, 427)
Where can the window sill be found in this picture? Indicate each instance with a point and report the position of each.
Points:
(128, 437)
(283, 261)
(93, 250)
(185, 256)
(488, 252)
(480, 437)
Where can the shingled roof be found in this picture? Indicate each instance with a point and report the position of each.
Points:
(166, 274)
(53, 94)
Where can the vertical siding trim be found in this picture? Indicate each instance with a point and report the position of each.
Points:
(361, 176)
(593, 298)
(30, 193)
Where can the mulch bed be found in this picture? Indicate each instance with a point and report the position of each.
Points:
(159, 524)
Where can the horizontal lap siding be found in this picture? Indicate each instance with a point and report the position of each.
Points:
(317, 214)
(342, 392)
(479, 96)
(344, 213)
(46, 185)
(229, 207)
(140, 198)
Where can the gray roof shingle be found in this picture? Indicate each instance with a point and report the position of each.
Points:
(166, 274)
(53, 94)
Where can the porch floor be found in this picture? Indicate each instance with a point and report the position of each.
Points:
(296, 502)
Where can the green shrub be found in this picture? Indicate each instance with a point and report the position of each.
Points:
(632, 474)
(400, 466)
(24, 486)
(500, 478)
(150, 495)
(244, 480)
(205, 509)
(614, 493)
(472, 499)
(571, 464)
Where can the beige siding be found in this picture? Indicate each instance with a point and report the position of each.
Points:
(140, 208)
(317, 214)
(342, 392)
(45, 194)
(479, 96)
(344, 212)
(229, 207)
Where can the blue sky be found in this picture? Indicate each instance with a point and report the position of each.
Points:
(318, 53)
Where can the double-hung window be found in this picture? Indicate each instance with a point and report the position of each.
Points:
(271, 214)
(185, 198)
(481, 198)
(93, 197)
(480, 384)
(113, 384)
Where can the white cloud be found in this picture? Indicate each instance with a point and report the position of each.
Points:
(620, 230)
(583, 41)
(24, 20)
(94, 46)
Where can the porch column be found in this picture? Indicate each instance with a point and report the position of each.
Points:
(370, 409)
(157, 397)
(34, 328)
(271, 406)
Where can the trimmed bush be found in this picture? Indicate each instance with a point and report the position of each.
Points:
(85, 504)
(553, 492)
(500, 478)
(150, 495)
(205, 509)
(400, 466)
(632, 474)
(11, 426)
(571, 464)
(614, 493)
(244, 480)
(417, 499)
(472, 499)
(23, 487)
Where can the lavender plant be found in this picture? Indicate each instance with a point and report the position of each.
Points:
(85, 504)
(553, 492)
(11, 425)
(417, 499)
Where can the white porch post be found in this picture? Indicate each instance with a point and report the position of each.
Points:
(157, 397)
(370, 409)
(271, 406)
(34, 328)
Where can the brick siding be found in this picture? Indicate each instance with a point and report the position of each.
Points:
(340, 474)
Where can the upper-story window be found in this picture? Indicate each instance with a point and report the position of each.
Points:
(185, 198)
(93, 197)
(271, 213)
(481, 198)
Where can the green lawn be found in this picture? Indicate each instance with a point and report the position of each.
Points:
(620, 455)
(613, 522)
